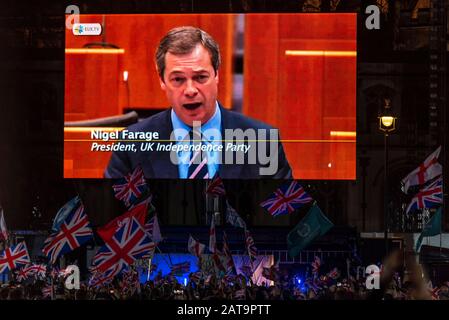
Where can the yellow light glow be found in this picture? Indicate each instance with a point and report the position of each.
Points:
(94, 51)
(387, 121)
(349, 134)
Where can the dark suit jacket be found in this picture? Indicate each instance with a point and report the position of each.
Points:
(158, 164)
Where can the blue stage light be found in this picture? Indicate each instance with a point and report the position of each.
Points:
(297, 280)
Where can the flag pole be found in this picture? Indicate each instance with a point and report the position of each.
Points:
(162, 254)
(149, 269)
(170, 263)
(441, 230)
(52, 289)
(208, 203)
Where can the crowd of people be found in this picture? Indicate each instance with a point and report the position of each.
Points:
(334, 285)
(348, 289)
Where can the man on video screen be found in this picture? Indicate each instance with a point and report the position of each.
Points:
(197, 137)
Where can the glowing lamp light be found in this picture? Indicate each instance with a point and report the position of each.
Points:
(387, 121)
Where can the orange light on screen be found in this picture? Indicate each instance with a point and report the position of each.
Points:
(343, 134)
(94, 51)
(318, 53)
(90, 129)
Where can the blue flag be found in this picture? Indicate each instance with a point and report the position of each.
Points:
(313, 225)
(432, 228)
(64, 212)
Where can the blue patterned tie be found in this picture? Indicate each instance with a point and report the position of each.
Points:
(198, 159)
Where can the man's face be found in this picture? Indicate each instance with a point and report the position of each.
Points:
(190, 84)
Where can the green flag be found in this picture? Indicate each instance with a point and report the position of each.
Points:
(313, 225)
(432, 228)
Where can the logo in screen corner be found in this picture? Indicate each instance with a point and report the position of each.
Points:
(86, 29)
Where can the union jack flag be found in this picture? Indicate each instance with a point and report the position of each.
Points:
(37, 270)
(22, 274)
(195, 247)
(286, 199)
(127, 245)
(149, 254)
(130, 275)
(334, 273)
(252, 250)
(216, 257)
(216, 187)
(313, 285)
(55, 272)
(428, 197)
(180, 268)
(316, 264)
(131, 187)
(47, 291)
(74, 232)
(99, 280)
(138, 212)
(434, 292)
(130, 281)
(40, 270)
(230, 267)
(233, 217)
(65, 272)
(14, 257)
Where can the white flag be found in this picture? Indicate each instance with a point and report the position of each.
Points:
(426, 171)
(195, 247)
(3, 230)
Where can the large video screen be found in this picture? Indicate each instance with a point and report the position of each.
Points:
(241, 96)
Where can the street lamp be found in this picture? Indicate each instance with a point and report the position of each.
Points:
(387, 124)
